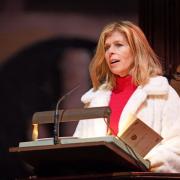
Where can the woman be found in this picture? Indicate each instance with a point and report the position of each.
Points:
(127, 76)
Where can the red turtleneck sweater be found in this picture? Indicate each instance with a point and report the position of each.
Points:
(119, 97)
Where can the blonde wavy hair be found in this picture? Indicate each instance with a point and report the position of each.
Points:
(146, 62)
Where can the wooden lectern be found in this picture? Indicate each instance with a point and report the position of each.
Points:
(91, 155)
(78, 156)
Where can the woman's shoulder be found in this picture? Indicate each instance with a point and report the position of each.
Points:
(157, 85)
(92, 93)
(158, 80)
(87, 96)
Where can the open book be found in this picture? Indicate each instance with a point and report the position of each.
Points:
(139, 136)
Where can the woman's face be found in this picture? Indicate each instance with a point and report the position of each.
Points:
(118, 54)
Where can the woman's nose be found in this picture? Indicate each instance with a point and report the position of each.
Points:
(111, 49)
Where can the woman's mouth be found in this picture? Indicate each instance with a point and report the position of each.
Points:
(113, 61)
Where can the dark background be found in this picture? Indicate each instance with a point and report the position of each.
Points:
(45, 49)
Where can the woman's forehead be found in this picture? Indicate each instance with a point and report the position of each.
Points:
(115, 36)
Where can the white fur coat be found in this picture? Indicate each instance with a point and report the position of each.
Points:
(158, 105)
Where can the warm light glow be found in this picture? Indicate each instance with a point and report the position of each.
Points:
(35, 132)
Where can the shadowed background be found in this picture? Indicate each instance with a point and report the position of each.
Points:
(45, 49)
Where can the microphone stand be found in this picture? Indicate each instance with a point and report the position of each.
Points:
(56, 115)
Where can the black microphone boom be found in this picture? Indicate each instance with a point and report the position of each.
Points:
(56, 114)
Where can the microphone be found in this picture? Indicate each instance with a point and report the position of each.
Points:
(56, 114)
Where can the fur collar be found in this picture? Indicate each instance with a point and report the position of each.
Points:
(157, 86)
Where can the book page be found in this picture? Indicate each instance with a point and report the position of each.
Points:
(140, 137)
(130, 119)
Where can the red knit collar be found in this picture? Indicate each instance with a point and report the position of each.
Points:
(123, 83)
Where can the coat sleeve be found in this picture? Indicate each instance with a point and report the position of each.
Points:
(165, 157)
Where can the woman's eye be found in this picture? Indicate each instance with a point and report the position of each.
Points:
(119, 45)
(106, 48)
